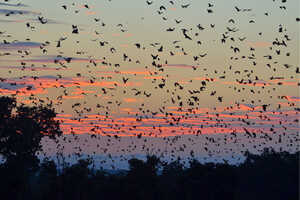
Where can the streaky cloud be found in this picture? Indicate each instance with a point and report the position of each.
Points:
(49, 21)
(11, 21)
(11, 86)
(14, 5)
(20, 12)
(181, 65)
(19, 45)
(52, 58)
(32, 68)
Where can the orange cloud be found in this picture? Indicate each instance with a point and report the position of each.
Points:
(130, 100)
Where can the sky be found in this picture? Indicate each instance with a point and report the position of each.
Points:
(158, 70)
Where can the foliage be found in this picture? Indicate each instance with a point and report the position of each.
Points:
(271, 175)
(22, 128)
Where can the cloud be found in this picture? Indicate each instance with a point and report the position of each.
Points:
(11, 21)
(39, 85)
(292, 98)
(259, 44)
(19, 46)
(8, 12)
(51, 59)
(181, 65)
(14, 5)
(31, 20)
(200, 123)
(130, 100)
(32, 68)
(11, 86)
(49, 21)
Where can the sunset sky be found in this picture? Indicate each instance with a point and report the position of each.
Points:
(126, 69)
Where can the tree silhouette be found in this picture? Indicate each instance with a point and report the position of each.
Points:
(21, 130)
(142, 169)
(46, 186)
(143, 178)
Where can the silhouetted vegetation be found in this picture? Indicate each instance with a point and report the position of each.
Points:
(21, 130)
(271, 175)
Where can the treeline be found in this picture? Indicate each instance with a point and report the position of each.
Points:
(271, 175)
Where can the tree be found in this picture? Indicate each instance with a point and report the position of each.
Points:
(143, 169)
(21, 130)
(143, 178)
